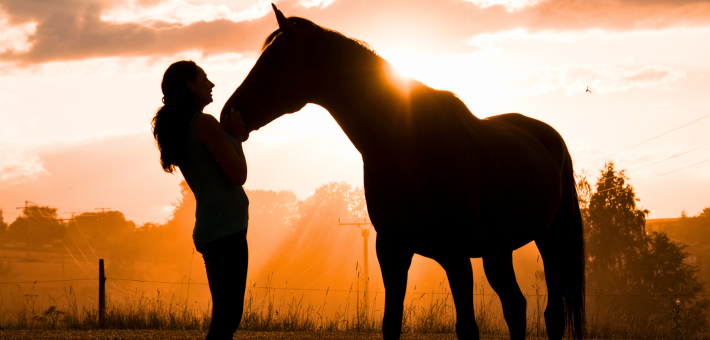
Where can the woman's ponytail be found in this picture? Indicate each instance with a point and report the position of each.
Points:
(171, 121)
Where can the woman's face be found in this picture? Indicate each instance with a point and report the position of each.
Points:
(201, 88)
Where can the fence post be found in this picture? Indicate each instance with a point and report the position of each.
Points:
(102, 294)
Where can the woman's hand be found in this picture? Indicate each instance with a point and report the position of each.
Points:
(233, 125)
(229, 156)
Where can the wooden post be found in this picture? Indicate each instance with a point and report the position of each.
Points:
(102, 294)
(62, 252)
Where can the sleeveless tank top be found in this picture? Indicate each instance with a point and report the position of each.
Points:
(222, 207)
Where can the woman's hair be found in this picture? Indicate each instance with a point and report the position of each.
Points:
(170, 124)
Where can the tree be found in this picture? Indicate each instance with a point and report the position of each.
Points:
(315, 248)
(171, 242)
(693, 231)
(647, 272)
(3, 228)
(615, 234)
(6, 269)
(102, 231)
(37, 226)
(268, 207)
(271, 217)
(665, 269)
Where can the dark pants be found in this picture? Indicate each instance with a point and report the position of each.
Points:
(226, 261)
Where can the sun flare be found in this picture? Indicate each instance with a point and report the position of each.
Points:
(404, 64)
(402, 70)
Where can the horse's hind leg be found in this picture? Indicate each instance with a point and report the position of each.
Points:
(460, 275)
(501, 276)
(394, 263)
(562, 251)
(554, 276)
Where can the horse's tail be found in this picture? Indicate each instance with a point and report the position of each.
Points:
(574, 290)
(562, 250)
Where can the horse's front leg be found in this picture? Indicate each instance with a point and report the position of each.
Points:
(395, 261)
(501, 276)
(460, 274)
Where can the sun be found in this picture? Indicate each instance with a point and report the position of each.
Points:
(400, 72)
(403, 63)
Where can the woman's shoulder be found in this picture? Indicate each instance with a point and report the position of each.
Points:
(206, 124)
(205, 118)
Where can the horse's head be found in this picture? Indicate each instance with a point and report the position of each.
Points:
(280, 81)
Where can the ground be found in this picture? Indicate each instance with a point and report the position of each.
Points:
(198, 335)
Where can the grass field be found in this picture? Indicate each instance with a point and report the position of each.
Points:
(68, 310)
(195, 335)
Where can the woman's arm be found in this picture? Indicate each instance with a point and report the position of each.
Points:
(230, 159)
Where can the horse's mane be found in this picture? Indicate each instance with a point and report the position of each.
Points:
(350, 48)
(321, 32)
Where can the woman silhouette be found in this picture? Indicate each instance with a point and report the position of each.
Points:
(210, 157)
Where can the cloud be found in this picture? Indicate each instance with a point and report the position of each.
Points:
(79, 29)
(15, 37)
(601, 78)
(180, 13)
(488, 41)
(510, 5)
(619, 15)
(17, 166)
(74, 30)
(319, 3)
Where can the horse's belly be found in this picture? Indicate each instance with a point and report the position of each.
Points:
(480, 242)
(464, 208)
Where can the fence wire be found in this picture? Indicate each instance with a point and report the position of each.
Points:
(345, 290)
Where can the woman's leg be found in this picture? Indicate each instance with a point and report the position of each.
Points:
(226, 261)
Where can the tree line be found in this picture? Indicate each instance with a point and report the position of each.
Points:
(645, 272)
(125, 245)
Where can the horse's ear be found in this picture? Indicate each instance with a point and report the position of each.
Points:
(284, 24)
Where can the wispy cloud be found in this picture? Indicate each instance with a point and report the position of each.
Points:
(510, 5)
(489, 41)
(15, 37)
(179, 12)
(600, 78)
(17, 165)
(318, 3)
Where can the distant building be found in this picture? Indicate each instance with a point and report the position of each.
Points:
(661, 224)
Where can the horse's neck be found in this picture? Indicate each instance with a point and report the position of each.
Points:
(366, 105)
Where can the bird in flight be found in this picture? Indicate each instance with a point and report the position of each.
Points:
(588, 89)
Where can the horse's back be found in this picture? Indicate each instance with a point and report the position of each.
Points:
(466, 183)
(520, 185)
(473, 185)
(542, 132)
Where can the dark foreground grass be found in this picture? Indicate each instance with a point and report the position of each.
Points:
(280, 316)
(122, 334)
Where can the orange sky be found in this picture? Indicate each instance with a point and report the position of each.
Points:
(80, 81)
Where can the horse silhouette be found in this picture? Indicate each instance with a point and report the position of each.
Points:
(439, 182)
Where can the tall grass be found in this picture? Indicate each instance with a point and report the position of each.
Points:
(265, 309)
(273, 309)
